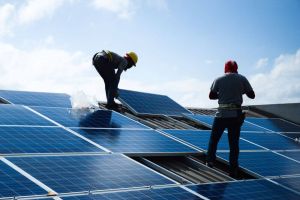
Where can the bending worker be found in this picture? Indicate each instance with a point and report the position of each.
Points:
(228, 89)
(106, 62)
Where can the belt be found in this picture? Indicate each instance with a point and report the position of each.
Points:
(229, 106)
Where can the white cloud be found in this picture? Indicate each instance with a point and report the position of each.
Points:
(52, 70)
(159, 4)
(6, 14)
(26, 12)
(35, 10)
(123, 8)
(261, 63)
(281, 84)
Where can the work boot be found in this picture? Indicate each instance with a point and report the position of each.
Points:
(113, 106)
(209, 164)
(234, 174)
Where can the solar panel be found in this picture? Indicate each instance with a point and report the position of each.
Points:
(18, 115)
(201, 138)
(36, 98)
(41, 140)
(146, 103)
(134, 141)
(254, 189)
(173, 193)
(270, 140)
(13, 184)
(88, 118)
(266, 163)
(274, 124)
(207, 121)
(83, 173)
(295, 136)
(290, 182)
(292, 154)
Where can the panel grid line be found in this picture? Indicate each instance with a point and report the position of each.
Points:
(69, 130)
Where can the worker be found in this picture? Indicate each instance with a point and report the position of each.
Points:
(110, 67)
(228, 89)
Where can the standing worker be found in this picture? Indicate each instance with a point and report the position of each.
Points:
(106, 62)
(229, 89)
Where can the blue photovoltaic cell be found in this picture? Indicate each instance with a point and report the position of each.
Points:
(266, 163)
(13, 184)
(18, 115)
(208, 121)
(134, 141)
(290, 182)
(36, 98)
(292, 154)
(271, 140)
(41, 140)
(88, 118)
(244, 190)
(174, 193)
(201, 138)
(274, 124)
(82, 173)
(146, 103)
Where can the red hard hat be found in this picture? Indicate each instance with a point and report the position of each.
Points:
(231, 66)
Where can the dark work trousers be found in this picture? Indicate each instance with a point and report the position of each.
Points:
(233, 126)
(107, 72)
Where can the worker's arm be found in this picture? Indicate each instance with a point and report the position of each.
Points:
(251, 94)
(116, 83)
(213, 95)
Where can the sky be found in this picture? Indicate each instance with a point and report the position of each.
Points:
(182, 46)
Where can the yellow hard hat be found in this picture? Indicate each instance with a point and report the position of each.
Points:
(133, 57)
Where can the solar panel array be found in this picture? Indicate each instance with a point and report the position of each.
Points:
(268, 147)
(49, 148)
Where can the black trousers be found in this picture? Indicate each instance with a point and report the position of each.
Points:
(233, 126)
(107, 72)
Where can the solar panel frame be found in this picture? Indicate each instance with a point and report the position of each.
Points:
(200, 139)
(291, 154)
(159, 104)
(171, 193)
(135, 141)
(14, 184)
(36, 98)
(290, 182)
(248, 189)
(295, 135)
(65, 174)
(89, 118)
(274, 124)
(19, 115)
(38, 140)
(265, 163)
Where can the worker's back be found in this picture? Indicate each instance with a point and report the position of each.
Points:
(230, 88)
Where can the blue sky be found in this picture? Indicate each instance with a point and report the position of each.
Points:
(182, 46)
